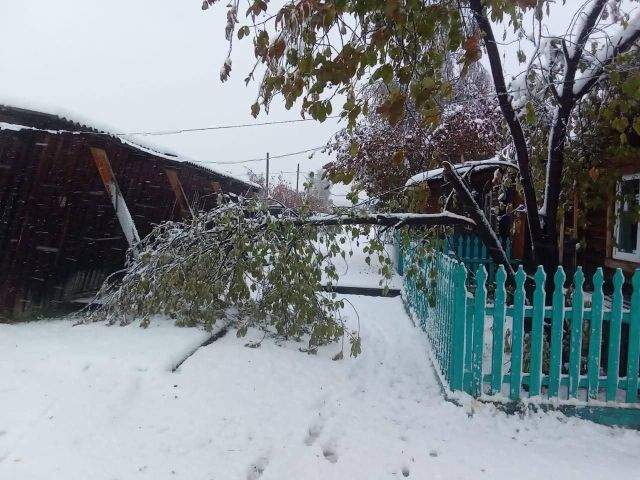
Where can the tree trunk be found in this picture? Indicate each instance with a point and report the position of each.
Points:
(515, 128)
(553, 185)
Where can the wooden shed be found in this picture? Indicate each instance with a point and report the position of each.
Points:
(480, 176)
(72, 199)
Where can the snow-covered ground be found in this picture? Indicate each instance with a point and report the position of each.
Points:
(355, 272)
(99, 402)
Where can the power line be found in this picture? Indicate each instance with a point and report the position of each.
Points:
(275, 122)
(221, 127)
(166, 132)
(262, 159)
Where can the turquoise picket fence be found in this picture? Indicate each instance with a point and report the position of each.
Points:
(465, 247)
(579, 350)
(431, 293)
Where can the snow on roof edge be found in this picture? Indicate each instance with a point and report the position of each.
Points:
(37, 106)
(460, 168)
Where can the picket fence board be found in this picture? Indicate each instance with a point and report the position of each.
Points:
(595, 334)
(615, 327)
(517, 334)
(499, 314)
(634, 341)
(575, 340)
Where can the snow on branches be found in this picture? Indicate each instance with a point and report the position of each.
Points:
(380, 157)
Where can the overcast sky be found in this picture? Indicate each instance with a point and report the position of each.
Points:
(144, 65)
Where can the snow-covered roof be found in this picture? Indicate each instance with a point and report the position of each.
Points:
(436, 173)
(83, 123)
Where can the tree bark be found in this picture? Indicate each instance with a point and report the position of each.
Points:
(557, 137)
(515, 127)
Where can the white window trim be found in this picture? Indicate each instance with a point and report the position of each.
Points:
(617, 254)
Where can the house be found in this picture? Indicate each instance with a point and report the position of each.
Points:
(74, 197)
(607, 235)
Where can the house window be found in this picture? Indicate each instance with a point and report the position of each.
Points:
(627, 230)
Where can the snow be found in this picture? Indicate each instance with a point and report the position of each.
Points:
(606, 53)
(100, 402)
(461, 168)
(85, 122)
(355, 272)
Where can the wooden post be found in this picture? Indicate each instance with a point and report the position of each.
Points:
(178, 191)
(117, 199)
(298, 179)
(266, 180)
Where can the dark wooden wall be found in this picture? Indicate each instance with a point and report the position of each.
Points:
(59, 236)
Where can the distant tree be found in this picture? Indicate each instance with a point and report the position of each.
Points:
(318, 191)
(315, 194)
(379, 157)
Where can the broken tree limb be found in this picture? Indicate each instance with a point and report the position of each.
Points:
(389, 220)
(483, 228)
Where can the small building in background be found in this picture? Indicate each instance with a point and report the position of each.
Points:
(494, 191)
(73, 197)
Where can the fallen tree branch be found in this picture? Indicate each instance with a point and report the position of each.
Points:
(389, 220)
(483, 228)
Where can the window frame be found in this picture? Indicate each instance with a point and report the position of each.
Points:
(617, 254)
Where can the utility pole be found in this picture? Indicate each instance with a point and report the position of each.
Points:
(298, 179)
(266, 181)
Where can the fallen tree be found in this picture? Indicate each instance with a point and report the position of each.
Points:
(250, 268)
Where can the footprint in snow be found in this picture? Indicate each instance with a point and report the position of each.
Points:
(329, 453)
(312, 435)
(405, 471)
(257, 468)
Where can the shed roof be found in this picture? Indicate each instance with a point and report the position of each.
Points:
(80, 124)
(461, 168)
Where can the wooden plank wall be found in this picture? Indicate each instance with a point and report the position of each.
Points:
(59, 236)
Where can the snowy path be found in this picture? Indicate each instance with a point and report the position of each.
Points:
(97, 402)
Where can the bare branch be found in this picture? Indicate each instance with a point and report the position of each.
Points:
(620, 44)
(574, 54)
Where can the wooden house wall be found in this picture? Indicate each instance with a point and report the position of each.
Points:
(59, 236)
(596, 232)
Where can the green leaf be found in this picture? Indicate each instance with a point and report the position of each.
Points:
(385, 72)
(243, 32)
(620, 124)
